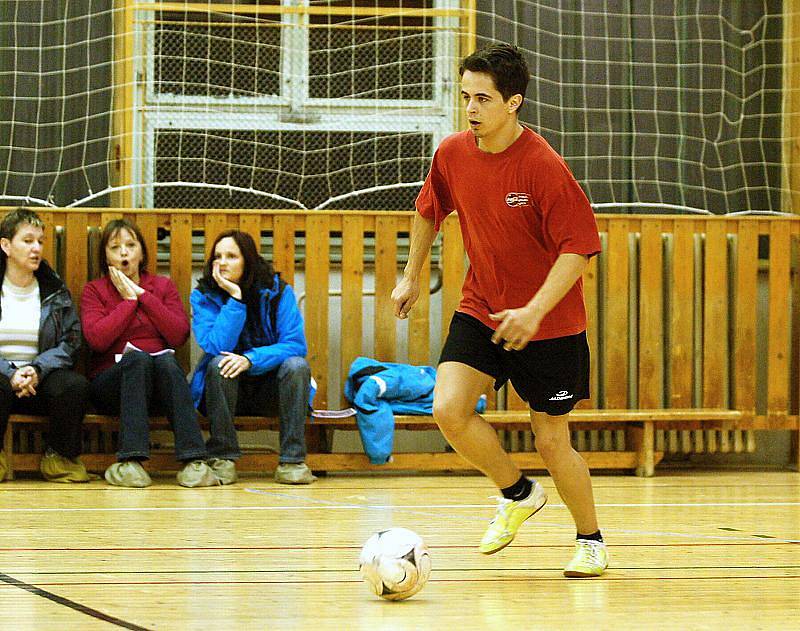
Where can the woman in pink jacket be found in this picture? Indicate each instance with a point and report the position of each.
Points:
(133, 321)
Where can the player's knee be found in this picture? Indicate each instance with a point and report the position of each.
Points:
(545, 445)
(551, 444)
(449, 415)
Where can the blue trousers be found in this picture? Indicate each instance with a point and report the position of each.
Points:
(140, 384)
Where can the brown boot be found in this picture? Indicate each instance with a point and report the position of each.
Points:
(58, 468)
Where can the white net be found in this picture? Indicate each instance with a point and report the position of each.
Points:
(297, 104)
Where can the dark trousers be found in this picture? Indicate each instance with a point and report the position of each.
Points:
(62, 396)
(139, 384)
(284, 391)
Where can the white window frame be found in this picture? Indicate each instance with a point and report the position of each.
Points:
(292, 110)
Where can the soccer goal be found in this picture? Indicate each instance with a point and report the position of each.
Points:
(657, 107)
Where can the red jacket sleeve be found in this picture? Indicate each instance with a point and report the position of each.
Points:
(103, 326)
(165, 309)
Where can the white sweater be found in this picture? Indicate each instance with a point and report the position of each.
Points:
(19, 323)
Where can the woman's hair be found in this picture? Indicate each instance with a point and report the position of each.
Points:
(257, 273)
(12, 222)
(111, 230)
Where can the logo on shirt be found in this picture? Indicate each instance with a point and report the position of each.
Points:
(518, 199)
(561, 395)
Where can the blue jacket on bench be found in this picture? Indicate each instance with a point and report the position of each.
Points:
(378, 390)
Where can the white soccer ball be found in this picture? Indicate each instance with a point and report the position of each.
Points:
(395, 563)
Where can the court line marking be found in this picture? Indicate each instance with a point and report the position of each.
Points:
(66, 602)
(497, 579)
(343, 506)
(316, 503)
(161, 485)
(663, 568)
(416, 511)
(435, 546)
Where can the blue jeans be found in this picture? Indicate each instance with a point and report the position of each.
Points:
(284, 392)
(127, 389)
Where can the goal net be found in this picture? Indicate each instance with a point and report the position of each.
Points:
(657, 107)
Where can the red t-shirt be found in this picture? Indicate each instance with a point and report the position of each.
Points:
(519, 210)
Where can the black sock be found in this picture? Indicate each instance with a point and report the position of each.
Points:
(595, 536)
(519, 490)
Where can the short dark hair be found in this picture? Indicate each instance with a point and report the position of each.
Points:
(111, 230)
(257, 273)
(505, 64)
(17, 217)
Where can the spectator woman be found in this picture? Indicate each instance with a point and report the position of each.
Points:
(133, 321)
(40, 337)
(247, 321)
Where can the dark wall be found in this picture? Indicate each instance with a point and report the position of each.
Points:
(55, 99)
(655, 101)
(649, 101)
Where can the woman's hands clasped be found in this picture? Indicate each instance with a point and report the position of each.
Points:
(124, 285)
(24, 381)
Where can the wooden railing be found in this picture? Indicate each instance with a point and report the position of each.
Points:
(685, 313)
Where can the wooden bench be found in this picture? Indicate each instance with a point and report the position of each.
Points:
(640, 423)
(694, 325)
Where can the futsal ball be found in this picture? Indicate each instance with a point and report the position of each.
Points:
(395, 563)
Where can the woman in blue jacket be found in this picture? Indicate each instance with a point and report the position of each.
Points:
(246, 320)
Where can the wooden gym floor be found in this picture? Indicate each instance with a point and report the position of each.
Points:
(695, 550)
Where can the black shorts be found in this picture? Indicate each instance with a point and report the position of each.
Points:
(551, 375)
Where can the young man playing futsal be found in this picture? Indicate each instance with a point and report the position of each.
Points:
(529, 232)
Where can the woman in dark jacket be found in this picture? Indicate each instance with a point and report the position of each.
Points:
(247, 321)
(40, 336)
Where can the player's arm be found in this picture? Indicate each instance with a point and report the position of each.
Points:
(518, 326)
(405, 294)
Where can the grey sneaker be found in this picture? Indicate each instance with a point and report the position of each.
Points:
(294, 473)
(128, 473)
(197, 473)
(225, 470)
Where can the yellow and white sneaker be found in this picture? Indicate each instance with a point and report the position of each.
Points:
(591, 559)
(509, 517)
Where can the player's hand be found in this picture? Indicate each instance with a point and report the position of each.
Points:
(226, 285)
(404, 295)
(233, 365)
(517, 327)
